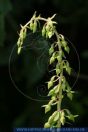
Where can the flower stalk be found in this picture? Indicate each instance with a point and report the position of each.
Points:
(57, 84)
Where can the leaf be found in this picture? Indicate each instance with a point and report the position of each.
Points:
(71, 117)
(46, 34)
(47, 108)
(53, 115)
(69, 95)
(61, 53)
(19, 50)
(47, 125)
(50, 34)
(68, 87)
(34, 26)
(52, 59)
(57, 89)
(68, 69)
(51, 118)
(50, 84)
(51, 50)
(50, 29)
(53, 98)
(43, 31)
(59, 58)
(62, 119)
(24, 33)
(52, 78)
(64, 43)
(54, 90)
(76, 115)
(50, 102)
(58, 71)
(44, 105)
(31, 25)
(67, 49)
(67, 111)
(72, 92)
(57, 66)
(51, 92)
(63, 86)
(56, 116)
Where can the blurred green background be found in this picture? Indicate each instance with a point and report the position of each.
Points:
(29, 71)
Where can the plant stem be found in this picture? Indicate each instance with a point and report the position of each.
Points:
(59, 102)
(60, 80)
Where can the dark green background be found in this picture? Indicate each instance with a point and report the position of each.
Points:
(29, 70)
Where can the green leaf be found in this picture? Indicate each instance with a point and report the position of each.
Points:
(51, 92)
(34, 26)
(50, 34)
(46, 34)
(69, 92)
(47, 108)
(68, 87)
(64, 43)
(50, 29)
(53, 98)
(67, 49)
(58, 71)
(61, 53)
(57, 89)
(31, 25)
(52, 78)
(24, 33)
(50, 84)
(47, 125)
(71, 117)
(43, 31)
(54, 114)
(57, 66)
(62, 117)
(76, 115)
(67, 111)
(63, 86)
(56, 118)
(69, 95)
(50, 120)
(59, 58)
(19, 50)
(51, 50)
(50, 102)
(44, 105)
(52, 59)
(72, 92)
(68, 69)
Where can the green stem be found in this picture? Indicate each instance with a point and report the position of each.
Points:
(60, 80)
(59, 102)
